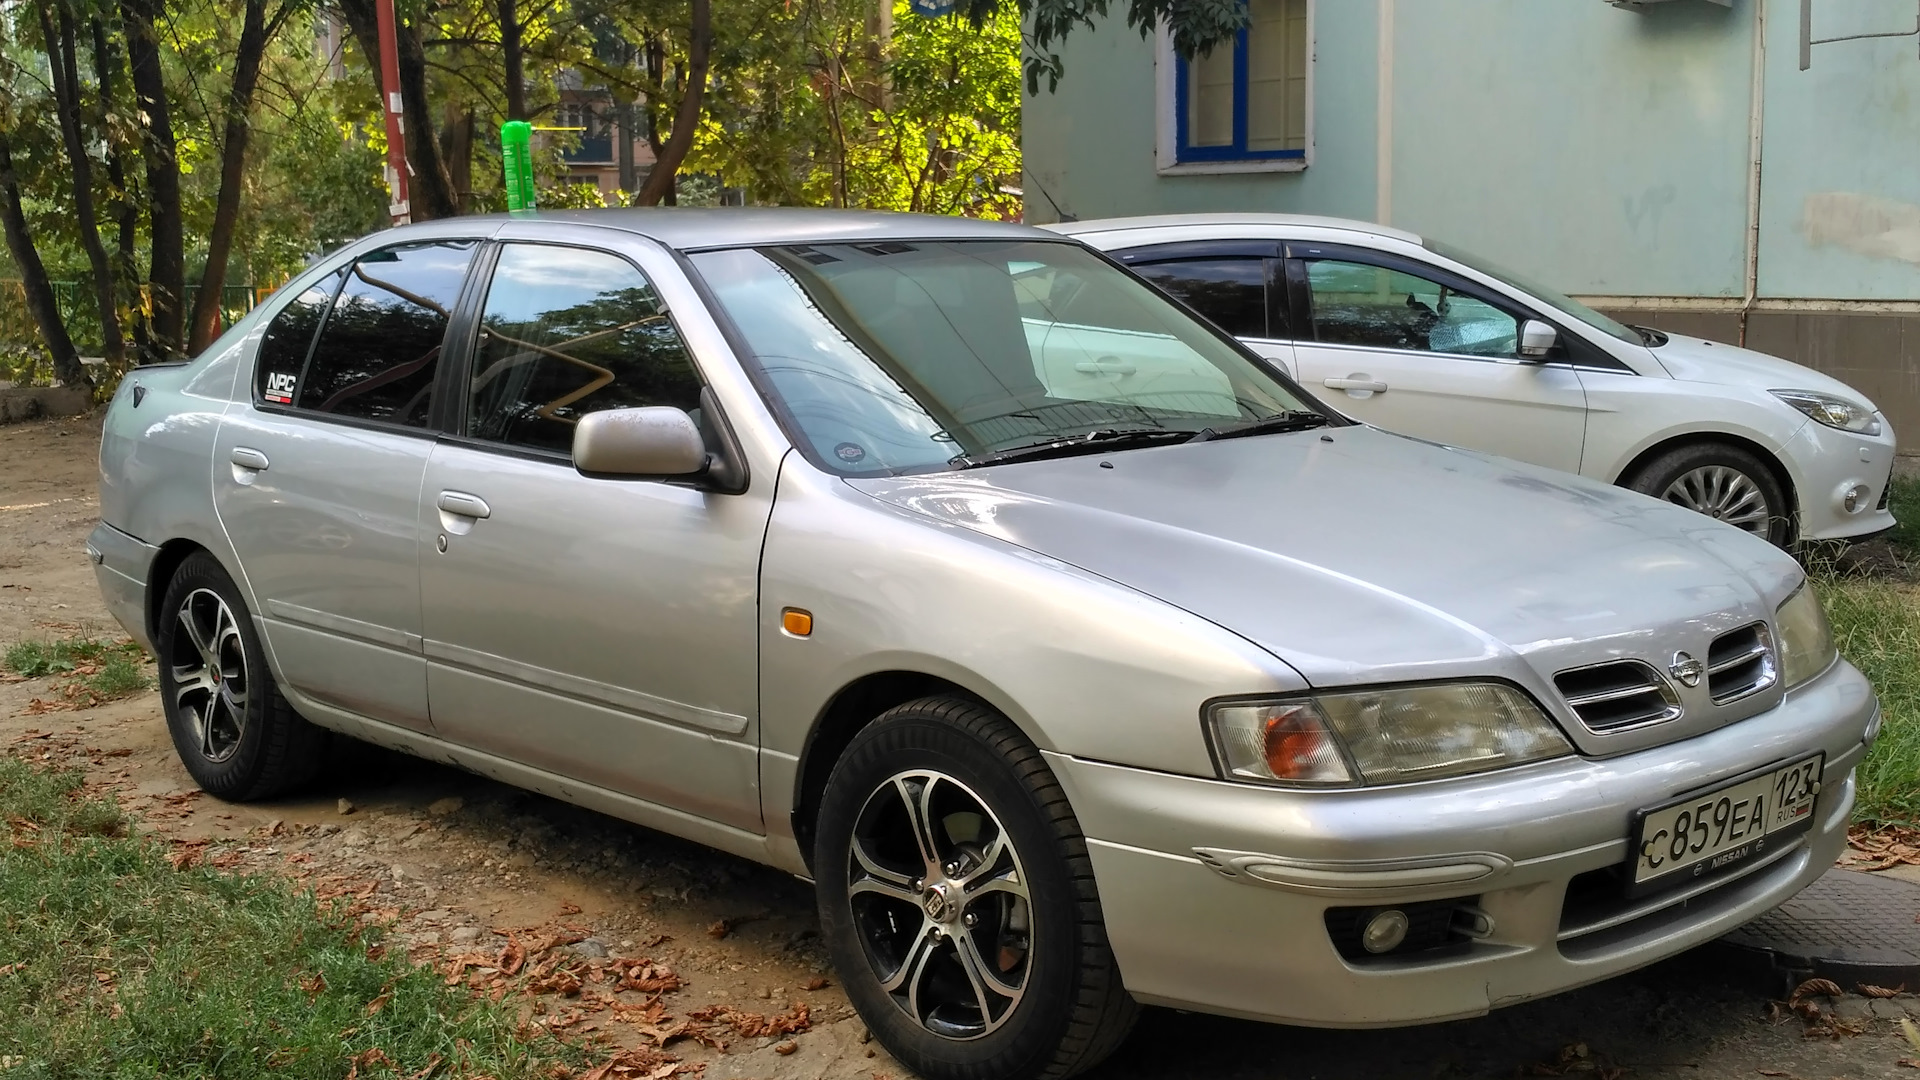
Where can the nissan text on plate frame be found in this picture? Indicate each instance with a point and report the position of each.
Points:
(1420, 338)
(1078, 655)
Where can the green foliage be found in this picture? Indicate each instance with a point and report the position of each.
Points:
(1877, 626)
(818, 111)
(118, 964)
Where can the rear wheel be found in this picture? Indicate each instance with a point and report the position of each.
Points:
(235, 733)
(1724, 482)
(958, 902)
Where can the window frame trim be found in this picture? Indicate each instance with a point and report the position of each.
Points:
(1172, 157)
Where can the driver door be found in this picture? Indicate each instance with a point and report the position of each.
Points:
(1419, 351)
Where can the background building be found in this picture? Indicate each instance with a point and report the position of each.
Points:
(1670, 161)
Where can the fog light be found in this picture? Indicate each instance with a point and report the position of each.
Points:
(1855, 498)
(1385, 931)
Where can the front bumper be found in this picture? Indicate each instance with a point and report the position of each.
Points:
(1825, 464)
(121, 564)
(1192, 930)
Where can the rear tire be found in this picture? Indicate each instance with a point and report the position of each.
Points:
(235, 733)
(987, 959)
(1724, 482)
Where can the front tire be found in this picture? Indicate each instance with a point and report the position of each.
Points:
(235, 733)
(958, 902)
(1724, 482)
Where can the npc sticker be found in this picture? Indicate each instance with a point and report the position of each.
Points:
(851, 453)
(279, 388)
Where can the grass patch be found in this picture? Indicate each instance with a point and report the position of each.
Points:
(1877, 626)
(91, 670)
(1904, 500)
(113, 963)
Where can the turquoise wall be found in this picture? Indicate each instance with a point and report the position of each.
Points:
(1601, 149)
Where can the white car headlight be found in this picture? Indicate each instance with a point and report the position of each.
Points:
(1835, 412)
(1392, 735)
(1806, 641)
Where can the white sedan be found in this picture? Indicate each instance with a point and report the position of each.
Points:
(1415, 337)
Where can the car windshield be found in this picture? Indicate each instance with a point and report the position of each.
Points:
(1547, 293)
(894, 356)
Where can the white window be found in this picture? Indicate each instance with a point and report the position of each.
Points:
(1246, 106)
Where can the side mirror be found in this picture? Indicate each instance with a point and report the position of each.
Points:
(1537, 340)
(652, 441)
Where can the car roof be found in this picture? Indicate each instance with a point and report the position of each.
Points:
(1215, 221)
(695, 228)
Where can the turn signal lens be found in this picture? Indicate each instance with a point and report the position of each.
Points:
(1286, 741)
(796, 622)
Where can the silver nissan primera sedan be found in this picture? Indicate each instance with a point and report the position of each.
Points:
(1077, 655)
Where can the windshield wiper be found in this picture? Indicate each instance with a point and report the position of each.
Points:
(1293, 420)
(1093, 442)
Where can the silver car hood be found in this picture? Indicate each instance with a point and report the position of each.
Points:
(1357, 556)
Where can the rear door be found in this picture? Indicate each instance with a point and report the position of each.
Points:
(1416, 349)
(317, 482)
(601, 629)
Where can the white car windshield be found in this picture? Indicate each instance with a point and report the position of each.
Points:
(1550, 295)
(911, 356)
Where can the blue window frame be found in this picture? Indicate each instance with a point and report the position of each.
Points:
(1267, 105)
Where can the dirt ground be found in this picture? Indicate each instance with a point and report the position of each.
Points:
(459, 861)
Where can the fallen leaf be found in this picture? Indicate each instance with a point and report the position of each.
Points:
(1912, 1033)
(719, 929)
(1869, 990)
(785, 1048)
(815, 983)
(1813, 987)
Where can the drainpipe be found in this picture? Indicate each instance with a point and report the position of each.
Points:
(1755, 129)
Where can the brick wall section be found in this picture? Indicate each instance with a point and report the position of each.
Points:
(1879, 355)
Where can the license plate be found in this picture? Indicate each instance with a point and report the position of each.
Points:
(1703, 834)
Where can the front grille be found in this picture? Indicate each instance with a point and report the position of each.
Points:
(1617, 696)
(1740, 663)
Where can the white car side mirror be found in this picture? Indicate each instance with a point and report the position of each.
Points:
(1537, 340)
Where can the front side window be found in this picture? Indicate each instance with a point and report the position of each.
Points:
(901, 357)
(1247, 99)
(379, 349)
(1230, 292)
(1374, 307)
(566, 332)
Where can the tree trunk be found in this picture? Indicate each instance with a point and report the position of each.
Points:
(66, 92)
(456, 148)
(515, 57)
(126, 215)
(167, 267)
(430, 188)
(623, 150)
(666, 166)
(255, 32)
(33, 277)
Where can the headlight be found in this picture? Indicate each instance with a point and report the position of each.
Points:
(1835, 412)
(1806, 641)
(1387, 736)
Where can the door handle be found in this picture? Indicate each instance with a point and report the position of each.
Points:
(248, 458)
(1356, 382)
(464, 505)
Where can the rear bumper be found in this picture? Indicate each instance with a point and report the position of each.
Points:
(121, 564)
(1198, 920)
